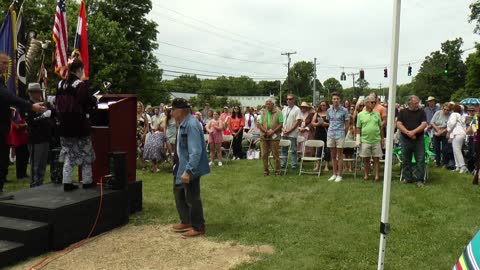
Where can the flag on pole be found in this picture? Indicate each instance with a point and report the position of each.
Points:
(61, 40)
(8, 46)
(81, 38)
(21, 45)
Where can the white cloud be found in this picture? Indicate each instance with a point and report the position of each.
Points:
(339, 33)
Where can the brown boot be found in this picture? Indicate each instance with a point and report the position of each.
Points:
(182, 227)
(192, 233)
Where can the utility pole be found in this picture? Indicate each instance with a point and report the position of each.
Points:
(288, 68)
(314, 80)
(383, 91)
(353, 77)
(280, 96)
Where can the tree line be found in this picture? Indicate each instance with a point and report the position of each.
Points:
(122, 41)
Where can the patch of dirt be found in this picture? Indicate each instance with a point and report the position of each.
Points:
(152, 247)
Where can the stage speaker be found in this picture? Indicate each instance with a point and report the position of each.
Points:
(117, 168)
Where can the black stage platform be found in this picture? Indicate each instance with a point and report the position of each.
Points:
(45, 218)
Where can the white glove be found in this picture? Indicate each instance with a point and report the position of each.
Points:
(47, 114)
(357, 141)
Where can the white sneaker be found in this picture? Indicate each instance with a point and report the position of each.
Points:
(333, 177)
(220, 163)
(210, 163)
(338, 179)
(457, 169)
(463, 170)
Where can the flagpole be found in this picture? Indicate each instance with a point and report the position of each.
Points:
(392, 93)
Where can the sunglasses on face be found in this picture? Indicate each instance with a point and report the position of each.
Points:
(289, 98)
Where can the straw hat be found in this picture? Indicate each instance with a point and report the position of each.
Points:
(305, 104)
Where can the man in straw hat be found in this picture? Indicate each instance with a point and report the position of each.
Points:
(39, 133)
(430, 111)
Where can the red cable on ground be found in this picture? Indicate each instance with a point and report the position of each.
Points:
(73, 246)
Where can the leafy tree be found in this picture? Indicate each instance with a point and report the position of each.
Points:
(184, 84)
(141, 32)
(300, 78)
(431, 79)
(332, 85)
(475, 15)
(242, 86)
(472, 81)
(266, 88)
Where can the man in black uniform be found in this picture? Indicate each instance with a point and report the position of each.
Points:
(7, 99)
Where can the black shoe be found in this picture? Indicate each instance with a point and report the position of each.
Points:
(69, 187)
(5, 196)
(91, 185)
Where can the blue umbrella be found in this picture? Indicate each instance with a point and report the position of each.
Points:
(468, 101)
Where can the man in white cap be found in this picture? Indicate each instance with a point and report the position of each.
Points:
(39, 133)
(430, 110)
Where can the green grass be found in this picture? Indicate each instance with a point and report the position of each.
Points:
(316, 224)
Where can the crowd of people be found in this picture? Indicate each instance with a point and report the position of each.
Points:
(449, 127)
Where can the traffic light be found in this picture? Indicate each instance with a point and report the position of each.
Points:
(409, 71)
(385, 73)
(362, 74)
(446, 68)
(343, 77)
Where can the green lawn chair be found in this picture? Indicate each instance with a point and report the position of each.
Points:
(397, 151)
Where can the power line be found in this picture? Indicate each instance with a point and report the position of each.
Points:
(164, 16)
(214, 72)
(218, 28)
(177, 74)
(217, 55)
(206, 64)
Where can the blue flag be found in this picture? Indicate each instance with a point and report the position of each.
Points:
(8, 45)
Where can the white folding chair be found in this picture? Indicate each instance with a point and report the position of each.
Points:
(227, 152)
(314, 144)
(205, 138)
(283, 143)
(354, 158)
(246, 137)
(300, 139)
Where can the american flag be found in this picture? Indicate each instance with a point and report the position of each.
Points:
(60, 38)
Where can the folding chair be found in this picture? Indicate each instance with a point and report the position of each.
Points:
(246, 137)
(300, 139)
(205, 137)
(354, 158)
(283, 143)
(227, 151)
(314, 144)
(397, 151)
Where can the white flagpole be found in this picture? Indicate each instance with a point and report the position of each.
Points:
(392, 93)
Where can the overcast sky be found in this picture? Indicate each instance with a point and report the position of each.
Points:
(345, 33)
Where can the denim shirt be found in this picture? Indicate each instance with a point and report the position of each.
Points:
(191, 150)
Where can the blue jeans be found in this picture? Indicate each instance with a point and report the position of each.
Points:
(440, 148)
(293, 148)
(189, 203)
(413, 171)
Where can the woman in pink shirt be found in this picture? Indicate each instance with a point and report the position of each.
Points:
(215, 138)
